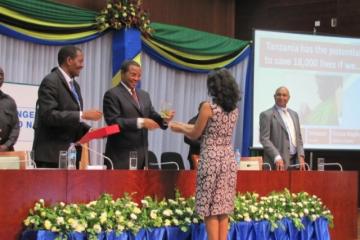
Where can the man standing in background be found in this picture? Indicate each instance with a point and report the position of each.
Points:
(59, 112)
(9, 120)
(280, 133)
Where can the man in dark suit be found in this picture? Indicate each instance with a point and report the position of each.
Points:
(280, 133)
(132, 110)
(9, 120)
(59, 111)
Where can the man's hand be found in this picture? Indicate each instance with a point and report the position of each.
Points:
(3, 148)
(92, 115)
(150, 124)
(302, 163)
(280, 165)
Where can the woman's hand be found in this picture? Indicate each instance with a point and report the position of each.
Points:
(176, 126)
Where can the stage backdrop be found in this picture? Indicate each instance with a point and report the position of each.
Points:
(28, 63)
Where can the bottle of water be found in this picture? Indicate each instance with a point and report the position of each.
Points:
(71, 156)
(237, 157)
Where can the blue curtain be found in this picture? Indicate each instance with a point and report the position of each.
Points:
(238, 231)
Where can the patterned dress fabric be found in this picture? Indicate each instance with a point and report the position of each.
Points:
(216, 176)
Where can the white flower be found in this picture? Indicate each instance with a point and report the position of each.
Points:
(133, 216)
(120, 227)
(175, 221)
(145, 203)
(62, 204)
(70, 221)
(253, 209)
(43, 214)
(42, 201)
(47, 224)
(167, 223)
(137, 210)
(168, 212)
(60, 220)
(271, 210)
(195, 220)
(37, 206)
(300, 204)
(103, 217)
(266, 216)
(306, 211)
(130, 224)
(171, 201)
(189, 210)
(97, 228)
(27, 221)
(80, 228)
(92, 215)
(179, 212)
(153, 214)
(54, 229)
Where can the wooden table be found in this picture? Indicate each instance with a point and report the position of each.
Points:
(20, 189)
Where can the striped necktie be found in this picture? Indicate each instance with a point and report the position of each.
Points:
(134, 96)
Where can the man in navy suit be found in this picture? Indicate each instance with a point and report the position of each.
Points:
(132, 110)
(59, 119)
(280, 133)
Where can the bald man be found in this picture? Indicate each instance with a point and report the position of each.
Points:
(280, 133)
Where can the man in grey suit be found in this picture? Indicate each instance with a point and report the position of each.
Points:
(280, 133)
(131, 109)
(59, 118)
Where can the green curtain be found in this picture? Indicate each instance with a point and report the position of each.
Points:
(195, 42)
(51, 11)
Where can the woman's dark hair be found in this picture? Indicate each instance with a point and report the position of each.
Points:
(223, 89)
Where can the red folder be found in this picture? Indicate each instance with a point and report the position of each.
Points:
(100, 133)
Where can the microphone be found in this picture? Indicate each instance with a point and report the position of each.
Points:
(97, 153)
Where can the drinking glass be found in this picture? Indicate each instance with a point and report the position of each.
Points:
(133, 160)
(320, 164)
(63, 159)
(165, 108)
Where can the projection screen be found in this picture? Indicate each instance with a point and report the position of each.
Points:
(322, 74)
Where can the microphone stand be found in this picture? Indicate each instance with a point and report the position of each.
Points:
(97, 153)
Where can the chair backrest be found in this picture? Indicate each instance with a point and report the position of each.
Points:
(251, 163)
(13, 160)
(171, 160)
(153, 163)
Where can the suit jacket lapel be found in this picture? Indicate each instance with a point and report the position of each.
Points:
(66, 86)
(279, 118)
(130, 98)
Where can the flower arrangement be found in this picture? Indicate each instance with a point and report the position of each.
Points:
(124, 13)
(122, 214)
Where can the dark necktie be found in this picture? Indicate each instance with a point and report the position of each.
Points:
(134, 96)
(73, 91)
